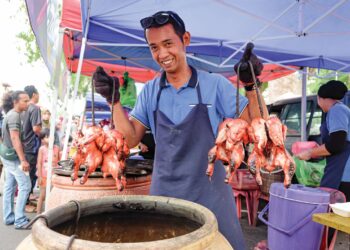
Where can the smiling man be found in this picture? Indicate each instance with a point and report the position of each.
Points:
(183, 108)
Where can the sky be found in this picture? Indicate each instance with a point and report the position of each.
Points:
(14, 69)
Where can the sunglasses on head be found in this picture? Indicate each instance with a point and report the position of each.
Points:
(160, 19)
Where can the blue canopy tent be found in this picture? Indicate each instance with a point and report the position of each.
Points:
(100, 103)
(101, 107)
(311, 33)
(102, 110)
(306, 33)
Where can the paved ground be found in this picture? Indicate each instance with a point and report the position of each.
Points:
(10, 238)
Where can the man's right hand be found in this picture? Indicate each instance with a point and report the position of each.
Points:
(104, 85)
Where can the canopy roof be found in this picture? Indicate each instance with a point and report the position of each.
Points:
(313, 33)
(129, 54)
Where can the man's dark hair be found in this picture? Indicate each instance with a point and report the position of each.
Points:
(178, 24)
(30, 90)
(7, 102)
(16, 95)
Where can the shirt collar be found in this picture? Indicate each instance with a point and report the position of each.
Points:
(191, 83)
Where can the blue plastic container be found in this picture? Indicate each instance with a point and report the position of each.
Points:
(290, 225)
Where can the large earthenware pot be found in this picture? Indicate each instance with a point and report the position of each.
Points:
(127, 222)
(138, 173)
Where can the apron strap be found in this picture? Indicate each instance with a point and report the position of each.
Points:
(162, 85)
(199, 94)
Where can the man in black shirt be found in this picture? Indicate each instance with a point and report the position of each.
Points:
(31, 130)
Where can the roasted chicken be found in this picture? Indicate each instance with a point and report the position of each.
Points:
(99, 148)
(258, 136)
(269, 153)
(229, 146)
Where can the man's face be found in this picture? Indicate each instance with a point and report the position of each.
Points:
(35, 98)
(167, 48)
(23, 102)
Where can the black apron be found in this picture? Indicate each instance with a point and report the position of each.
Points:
(181, 160)
(335, 164)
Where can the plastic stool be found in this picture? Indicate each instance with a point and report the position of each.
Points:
(254, 201)
(238, 195)
(336, 196)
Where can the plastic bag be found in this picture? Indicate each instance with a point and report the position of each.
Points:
(128, 92)
(309, 173)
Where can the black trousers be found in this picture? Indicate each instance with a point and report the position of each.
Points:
(345, 188)
(32, 160)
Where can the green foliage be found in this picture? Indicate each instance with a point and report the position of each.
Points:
(83, 87)
(324, 75)
(27, 38)
(31, 51)
(264, 86)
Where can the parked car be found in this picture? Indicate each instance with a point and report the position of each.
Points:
(289, 111)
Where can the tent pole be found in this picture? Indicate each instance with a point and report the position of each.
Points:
(303, 105)
(257, 17)
(116, 56)
(327, 13)
(65, 108)
(54, 82)
(75, 91)
(257, 34)
(76, 84)
(119, 31)
(51, 144)
(202, 60)
(301, 17)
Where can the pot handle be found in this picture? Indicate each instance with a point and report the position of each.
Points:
(294, 228)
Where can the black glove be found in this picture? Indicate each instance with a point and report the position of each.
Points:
(104, 85)
(245, 74)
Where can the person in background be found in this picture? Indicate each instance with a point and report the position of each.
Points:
(75, 125)
(45, 118)
(16, 166)
(7, 102)
(42, 165)
(147, 146)
(7, 105)
(31, 119)
(183, 108)
(335, 133)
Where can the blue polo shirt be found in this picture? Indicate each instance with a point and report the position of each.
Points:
(338, 119)
(217, 93)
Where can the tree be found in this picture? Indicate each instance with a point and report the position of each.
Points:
(84, 85)
(31, 50)
(324, 75)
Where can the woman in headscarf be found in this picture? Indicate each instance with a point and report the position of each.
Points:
(335, 133)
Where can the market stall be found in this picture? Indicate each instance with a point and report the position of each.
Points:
(285, 34)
